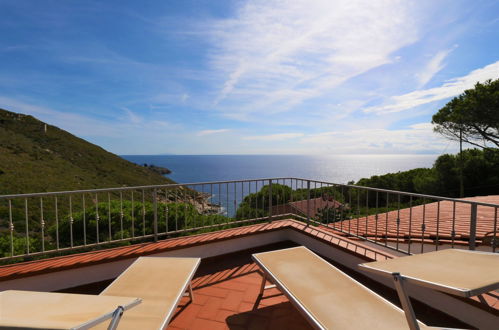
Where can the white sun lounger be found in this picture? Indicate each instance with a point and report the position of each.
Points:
(327, 298)
(160, 282)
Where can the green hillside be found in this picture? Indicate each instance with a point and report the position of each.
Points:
(33, 159)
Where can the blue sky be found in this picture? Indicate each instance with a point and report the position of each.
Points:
(246, 77)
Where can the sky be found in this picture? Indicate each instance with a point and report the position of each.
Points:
(246, 77)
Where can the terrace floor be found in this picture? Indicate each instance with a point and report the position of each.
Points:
(226, 297)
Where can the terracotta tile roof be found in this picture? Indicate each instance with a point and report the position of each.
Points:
(301, 207)
(315, 205)
(411, 224)
(95, 257)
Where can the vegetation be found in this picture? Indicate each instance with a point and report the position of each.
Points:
(158, 169)
(125, 220)
(116, 221)
(257, 204)
(472, 116)
(36, 157)
(480, 173)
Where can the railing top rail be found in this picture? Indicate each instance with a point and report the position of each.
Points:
(439, 198)
(173, 185)
(101, 190)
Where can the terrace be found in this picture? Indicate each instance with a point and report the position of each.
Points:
(79, 241)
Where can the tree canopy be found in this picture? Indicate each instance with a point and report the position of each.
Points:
(472, 116)
(480, 173)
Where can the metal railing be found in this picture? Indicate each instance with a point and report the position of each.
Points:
(407, 222)
(42, 223)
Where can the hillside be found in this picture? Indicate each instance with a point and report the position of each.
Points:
(35, 160)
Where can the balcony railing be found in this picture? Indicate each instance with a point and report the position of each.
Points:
(60, 222)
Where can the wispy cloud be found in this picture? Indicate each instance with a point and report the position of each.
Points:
(78, 124)
(14, 48)
(274, 137)
(132, 116)
(88, 126)
(273, 56)
(213, 131)
(252, 76)
(449, 89)
(434, 66)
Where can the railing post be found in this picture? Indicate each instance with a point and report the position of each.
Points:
(473, 226)
(270, 200)
(308, 202)
(155, 210)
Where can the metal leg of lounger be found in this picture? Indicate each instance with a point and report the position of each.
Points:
(482, 299)
(116, 318)
(262, 286)
(406, 303)
(191, 295)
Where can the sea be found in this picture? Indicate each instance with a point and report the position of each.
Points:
(328, 168)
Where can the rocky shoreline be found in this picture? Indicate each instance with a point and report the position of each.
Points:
(200, 200)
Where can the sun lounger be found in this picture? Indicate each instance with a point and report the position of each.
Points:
(160, 282)
(458, 272)
(326, 297)
(54, 310)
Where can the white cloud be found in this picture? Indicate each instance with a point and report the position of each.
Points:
(422, 126)
(274, 137)
(433, 67)
(449, 89)
(273, 55)
(416, 138)
(213, 131)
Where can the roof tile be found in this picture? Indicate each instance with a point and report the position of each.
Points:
(31, 268)
(411, 222)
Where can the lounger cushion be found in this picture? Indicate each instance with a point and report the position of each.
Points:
(332, 299)
(437, 269)
(160, 282)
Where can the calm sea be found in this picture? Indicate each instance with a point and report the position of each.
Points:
(335, 169)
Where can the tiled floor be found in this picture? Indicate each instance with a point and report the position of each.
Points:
(226, 297)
